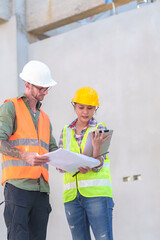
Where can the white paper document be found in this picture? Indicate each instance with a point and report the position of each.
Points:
(70, 161)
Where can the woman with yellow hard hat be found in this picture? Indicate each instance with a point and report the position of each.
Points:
(87, 195)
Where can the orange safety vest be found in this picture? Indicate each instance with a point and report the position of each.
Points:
(27, 139)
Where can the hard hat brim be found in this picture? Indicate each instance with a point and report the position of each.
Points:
(52, 83)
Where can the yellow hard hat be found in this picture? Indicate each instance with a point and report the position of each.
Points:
(86, 96)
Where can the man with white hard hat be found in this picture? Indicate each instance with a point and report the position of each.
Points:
(25, 135)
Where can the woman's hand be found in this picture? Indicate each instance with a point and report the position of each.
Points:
(61, 170)
(97, 140)
(84, 170)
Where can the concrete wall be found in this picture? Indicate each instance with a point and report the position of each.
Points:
(8, 63)
(54, 13)
(119, 57)
(5, 10)
(8, 80)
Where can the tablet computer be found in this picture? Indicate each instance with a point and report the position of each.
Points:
(88, 150)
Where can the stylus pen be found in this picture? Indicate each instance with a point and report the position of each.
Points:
(95, 157)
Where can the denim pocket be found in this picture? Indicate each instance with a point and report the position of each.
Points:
(110, 203)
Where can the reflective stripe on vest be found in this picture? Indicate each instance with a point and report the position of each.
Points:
(31, 142)
(26, 138)
(69, 186)
(95, 182)
(89, 185)
(68, 139)
(16, 163)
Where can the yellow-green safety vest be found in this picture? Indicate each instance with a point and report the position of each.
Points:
(91, 184)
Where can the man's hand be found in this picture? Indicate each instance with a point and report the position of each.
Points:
(34, 159)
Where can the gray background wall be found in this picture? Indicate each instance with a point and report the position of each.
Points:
(8, 63)
(119, 57)
(8, 80)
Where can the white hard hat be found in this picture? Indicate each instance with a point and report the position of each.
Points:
(37, 73)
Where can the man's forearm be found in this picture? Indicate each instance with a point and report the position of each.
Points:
(32, 158)
(8, 150)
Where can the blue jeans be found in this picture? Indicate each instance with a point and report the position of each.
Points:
(84, 212)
